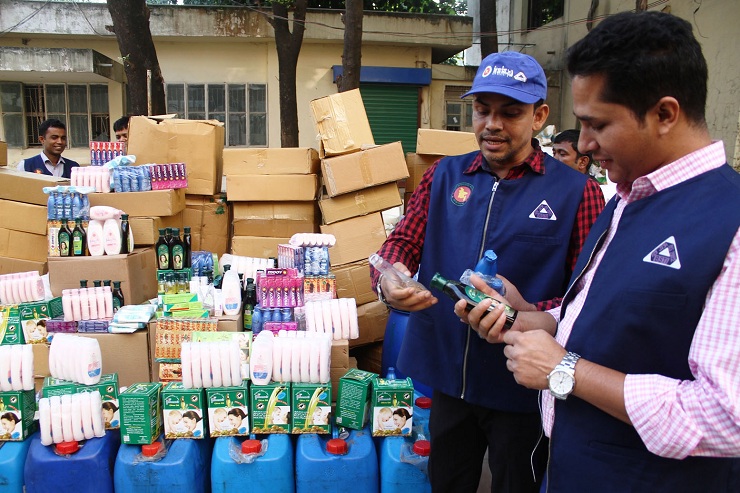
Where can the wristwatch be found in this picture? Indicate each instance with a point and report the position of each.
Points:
(561, 379)
(381, 296)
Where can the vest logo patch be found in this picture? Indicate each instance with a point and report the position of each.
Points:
(543, 211)
(664, 254)
(462, 193)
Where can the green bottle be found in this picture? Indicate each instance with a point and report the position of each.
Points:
(163, 251)
(79, 240)
(65, 239)
(177, 250)
(117, 296)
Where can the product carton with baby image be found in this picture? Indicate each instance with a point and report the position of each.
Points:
(34, 315)
(270, 407)
(393, 404)
(228, 410)
(108, 388)
(140, 413)
(17, 408)
(10, 325)
(183, 410)
(310, 408)
(353, 398)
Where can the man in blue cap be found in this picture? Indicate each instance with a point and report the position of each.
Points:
(535, 213)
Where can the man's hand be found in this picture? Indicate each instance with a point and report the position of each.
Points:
(405, 299)
(532, 356)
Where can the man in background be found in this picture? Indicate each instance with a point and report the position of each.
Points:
(120, 127)
(53, 139)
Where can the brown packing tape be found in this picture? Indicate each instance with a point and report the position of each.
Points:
(329, 181)
(366, 169)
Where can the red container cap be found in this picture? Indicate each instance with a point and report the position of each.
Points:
(423, 402)
(150, 450)
(336, 446)
(251, 447)
(67, 448)
(422, 447)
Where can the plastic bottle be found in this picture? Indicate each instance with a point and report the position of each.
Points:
(74, 297)
(177, 250)
(95, 239)
(486, 268)
(112, 236)
(125, 234)
(84, 303)
(398, 278)
(76, 205)
(459, 291)
(65, 239)
(231, 291)
(187, 244)
(79, 240)
(250, 301)
(100, 301)
(163, 251)
(118, 301)
(108, 301)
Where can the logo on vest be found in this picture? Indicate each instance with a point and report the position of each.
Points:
(462, 193)
(543, 211)
(664, 254)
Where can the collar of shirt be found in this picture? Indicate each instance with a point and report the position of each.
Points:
(47, 161)
(535, 162)
(691, 165)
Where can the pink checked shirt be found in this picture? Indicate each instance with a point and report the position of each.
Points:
(677, 418)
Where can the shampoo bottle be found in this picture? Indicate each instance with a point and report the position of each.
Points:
(231, 291)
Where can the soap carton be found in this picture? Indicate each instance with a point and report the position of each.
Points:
(107, 386)
(183, 410)
(353, 398)
(393, 405)
(270, 407)
(310, 408)
(10, 325)
(17, 406)
(140, 413)
(228, 410)
(34, 315)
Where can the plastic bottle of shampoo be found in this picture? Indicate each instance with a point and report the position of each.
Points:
(231, 291)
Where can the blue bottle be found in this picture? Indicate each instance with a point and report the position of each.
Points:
(51, 207)
(12, 461)
(273, 471)
(336, 465)
(486, 268)
(84, 467)
(395, 329)
(403, 466)
(183, 468)
(67, 200)
(256, 320)
(59, 204)
(77, 205)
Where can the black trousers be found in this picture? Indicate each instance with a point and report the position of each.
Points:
(461, 432)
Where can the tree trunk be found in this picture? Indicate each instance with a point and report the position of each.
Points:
(131, 27)
(288, 48)
(488, 33)
(352, 55)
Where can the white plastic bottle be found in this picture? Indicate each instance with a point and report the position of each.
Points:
(112, 236)
(277, 358)
(286, 358)
(261, 364)
(305, 359)
(216, 374)
(195, 365)
(314, 361)
(205, 365)
(108, 301)
(344, 315)
(86, 413)
(67, 418)
(77, 431)
(231, 291)
(27, 367)
(90, 361)
(354, 327)
(239, 372)
(55, 403)
(5, 385)
(325, 360)
(186, 366)
(100, 301)
(74, 296)
(326, 315)
(295, 360)
(84, 304)
(16, 360)
(224, 358)
(310, 320)
(96, 409)
(95, 239)
(92, 302)
(336, 318)
(45, 420)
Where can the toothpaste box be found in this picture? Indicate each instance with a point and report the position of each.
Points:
(310, 408)
(183, 411)
(17, 409)
(270, 407)
(140, 413)
(393, 405)
(228, 410)
(353, 398)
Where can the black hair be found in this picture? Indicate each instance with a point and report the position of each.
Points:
(10, 417)
(120, 124)
(109, 406)
(643, 57)
(237, 412)
(50, 123)
(401, 411)
(571, 136)
(192, 415)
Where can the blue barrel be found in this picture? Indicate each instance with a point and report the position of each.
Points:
(86, 466)
(422, 409)
(409, 476)
(12, 459)
(395, 329)
(333, 465)
(185, 467)
(272, 471)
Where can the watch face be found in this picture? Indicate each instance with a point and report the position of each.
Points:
(561, 383)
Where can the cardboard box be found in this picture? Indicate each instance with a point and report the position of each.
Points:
(363, 169)
(357, 238)
(137, 272)
(283, 219)
(107, 386)
(146, 229)
(360, 203)
(34, 312)
(369, 357)
(140, 413)
(417, 164)
(21, 186)
(341, 122)
(10, 265)
(179, 403)
(372, 318)
(124, 354)
(256, 246)
(310, 408)
(154, 203)
(209, 219)
(271, 161)
(445, 142)
(353, 398)
(24, 246)
(392, 398)
(353, 281)
(197, 143)
(271, 188)
(3, 153)
(20, 216)
(270, 405)
(225, 401)
(22, 404)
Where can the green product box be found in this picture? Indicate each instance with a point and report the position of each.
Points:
(107, 386)
(34, 315)
(228, 410)
(140, 413)
(56, 386)
(270, 407)
(353, 398)
(17, 407)
(310, 408)
(393, 405)
(10, 325)
(183, 410)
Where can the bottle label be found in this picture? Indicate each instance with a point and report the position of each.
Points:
(247, 317)
(116, 304)
(77, 247)
(163, 256)
(177, 257)
(63, 244)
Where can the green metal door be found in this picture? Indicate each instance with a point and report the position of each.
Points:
(393, 112)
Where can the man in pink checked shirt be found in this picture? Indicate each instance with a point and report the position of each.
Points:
(640, 366)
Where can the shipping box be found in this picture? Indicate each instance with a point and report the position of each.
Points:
(10, 265)
(137, 272)
(353, 281)
(146, 229)
(357, 238)
(209, 219)
(20, 216)
(256, 246)
(445, 142)
(197, 143)
(271, 161)
(341, 122)
(283, 219)
(143, 204)
(363, 169)
(372, 318)
(23, 246)
(22, 186)
(3, 153)
(271, 188)
(360, 203)
(417, 164)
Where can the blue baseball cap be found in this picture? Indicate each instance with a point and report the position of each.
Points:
(512, 74)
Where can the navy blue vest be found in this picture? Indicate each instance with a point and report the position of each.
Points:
(643, 322)
(36, 165)
(466, 218)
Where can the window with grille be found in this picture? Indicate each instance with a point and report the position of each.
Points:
(540, 12)
(458, 112)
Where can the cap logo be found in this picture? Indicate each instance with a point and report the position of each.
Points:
(486, 71)
(521, 77)
(503, 71)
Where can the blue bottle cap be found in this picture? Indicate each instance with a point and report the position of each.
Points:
(487, 264)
